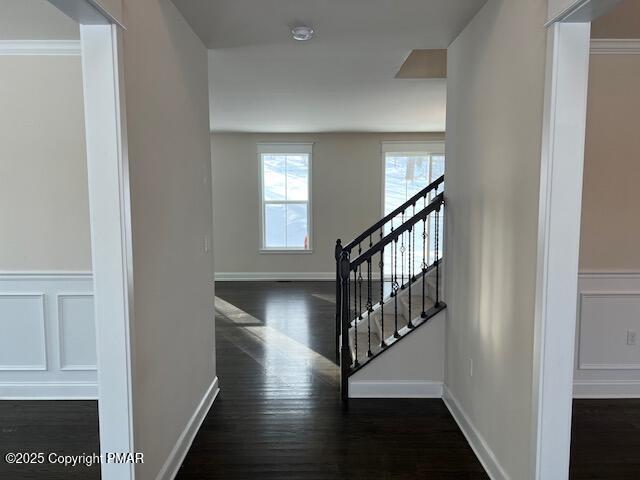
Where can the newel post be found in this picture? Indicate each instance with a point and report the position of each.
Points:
(338, 253)
(345, 353)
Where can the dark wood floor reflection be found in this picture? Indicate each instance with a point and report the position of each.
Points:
(278, 415)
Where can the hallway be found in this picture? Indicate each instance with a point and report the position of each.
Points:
(279, 414)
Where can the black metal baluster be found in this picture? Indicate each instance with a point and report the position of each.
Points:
(412, 244)
(360, 291)
(355, 318)
(369, 308)
(402, 249)
(395, 287)
(437, 259)
(382, 342)
(410, 280)
(423, 314)
(359, 283)
(392, 265)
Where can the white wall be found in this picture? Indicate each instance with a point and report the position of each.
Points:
(347, 198)
(610, 232)
(609, 286)
(165, 76)
(44, 209)
(35, 20)
(495, 91)
(413, 369)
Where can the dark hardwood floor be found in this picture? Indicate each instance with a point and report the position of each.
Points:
(278, 415)
(605, 439)
(68, 427)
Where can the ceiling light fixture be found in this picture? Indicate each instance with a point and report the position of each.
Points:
(302, 33)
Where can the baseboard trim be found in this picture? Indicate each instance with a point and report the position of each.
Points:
(272, 276)
(394, 389)
(475, 439)
(606, 389)
(179, 451)
(48, 391)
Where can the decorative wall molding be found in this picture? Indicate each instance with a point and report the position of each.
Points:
(605, 366)
(615, 46)
(393, 389)
(87, 332)
(48, 390)
(54, 311)
(37, 319)
(606, 389)
(179, 451)
(40, 47)
(475, 439)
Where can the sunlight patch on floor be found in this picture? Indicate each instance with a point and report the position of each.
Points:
(291, 360)
(326, 298)
(234, 314)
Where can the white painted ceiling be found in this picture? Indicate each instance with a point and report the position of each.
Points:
(343, 80)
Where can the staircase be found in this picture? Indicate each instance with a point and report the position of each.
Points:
(388, 287)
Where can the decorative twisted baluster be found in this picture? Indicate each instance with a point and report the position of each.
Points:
(395, 287)
(423, 314)
(369, 308)
(437, 255)
(412, 245)
(355, 321)
(410, 268)
(360, 292)
(402, 250)
(381, 264)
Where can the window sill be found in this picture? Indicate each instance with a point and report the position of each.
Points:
(285, 251)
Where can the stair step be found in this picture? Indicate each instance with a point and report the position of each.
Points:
(362, 340)
(375, 316)
(363, 359)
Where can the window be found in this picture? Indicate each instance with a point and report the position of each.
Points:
(285, 197)
(408, 168)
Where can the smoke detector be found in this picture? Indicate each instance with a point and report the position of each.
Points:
(302, 33)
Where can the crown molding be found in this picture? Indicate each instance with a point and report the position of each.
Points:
(615, 46)
(40, 47)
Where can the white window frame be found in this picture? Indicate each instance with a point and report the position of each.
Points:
(286, 149)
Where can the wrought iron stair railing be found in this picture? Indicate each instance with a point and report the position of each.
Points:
(406, 294)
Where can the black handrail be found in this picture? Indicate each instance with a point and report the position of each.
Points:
(387, 218)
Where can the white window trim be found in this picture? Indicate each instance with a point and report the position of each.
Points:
(286, 148)
(433, 147)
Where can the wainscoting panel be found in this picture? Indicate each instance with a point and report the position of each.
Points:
(607, 353)
(47, 335)
(76, 325)
(22, 332)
